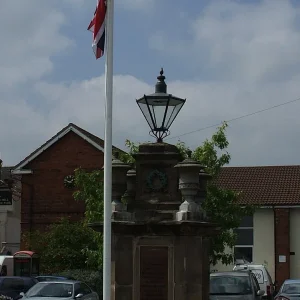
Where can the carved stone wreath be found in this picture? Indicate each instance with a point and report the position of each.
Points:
(157, 181)
(69, 181)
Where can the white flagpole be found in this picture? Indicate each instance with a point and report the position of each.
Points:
(108, 151)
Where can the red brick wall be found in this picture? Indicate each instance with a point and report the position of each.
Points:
(51, 200)
(282, 244)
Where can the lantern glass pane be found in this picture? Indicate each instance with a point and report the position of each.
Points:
(159, 107)
(160, 110)
(145, 110)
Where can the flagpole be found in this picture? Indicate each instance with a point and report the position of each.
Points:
(108, 151)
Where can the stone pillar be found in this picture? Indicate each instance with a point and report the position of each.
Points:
(129, 196)
(122, 267)
(119, 170)
(189, 185)
(282, 244)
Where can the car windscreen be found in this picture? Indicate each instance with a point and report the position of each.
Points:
(291, 288)
(230, 285)
(50, 278)
(51, 289)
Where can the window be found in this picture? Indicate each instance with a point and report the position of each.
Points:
(244, 237)
(247, 221)
(22, 266)
(76, 289)
(35, 267)
(82, 288)
(3, 271)
(85, 289)
(244, 243)
(244, 253)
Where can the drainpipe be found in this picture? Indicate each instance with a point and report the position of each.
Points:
(275, 250)
(30, 213)
(1, 168)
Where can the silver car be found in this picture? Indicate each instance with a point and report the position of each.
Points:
(234, 286)
(60, 290)
(290, 289)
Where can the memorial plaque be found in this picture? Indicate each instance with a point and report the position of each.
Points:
(5, 197)
(154, 271)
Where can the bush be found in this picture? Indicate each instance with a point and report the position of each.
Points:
(92, 278)
(65, 245)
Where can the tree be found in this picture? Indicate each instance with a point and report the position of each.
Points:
(221, 204)
(90, 190)
(63, 246)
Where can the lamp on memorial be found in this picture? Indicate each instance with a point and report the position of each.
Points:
(160, 109)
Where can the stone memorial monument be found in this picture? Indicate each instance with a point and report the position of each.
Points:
(160, 233)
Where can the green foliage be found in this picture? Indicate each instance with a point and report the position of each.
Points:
(220, 204)
(92, 278)
(90, 190)
(132, 149)
(62, 246)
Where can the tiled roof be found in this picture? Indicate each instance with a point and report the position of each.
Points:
(270, 185)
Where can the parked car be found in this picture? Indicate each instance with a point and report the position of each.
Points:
(290, 290)
(234, 286)
(52, 278)
(60, 289)
(263, 277)
(12, 286)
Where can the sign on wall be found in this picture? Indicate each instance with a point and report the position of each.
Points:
(5, 197)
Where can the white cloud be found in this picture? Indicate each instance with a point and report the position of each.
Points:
(252, 52)
(30, 35)
(131, 5)
(141, 5)
(246, 57)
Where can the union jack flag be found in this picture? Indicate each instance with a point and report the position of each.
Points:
(97, 26)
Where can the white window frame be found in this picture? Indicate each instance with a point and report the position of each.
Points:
(246, 246)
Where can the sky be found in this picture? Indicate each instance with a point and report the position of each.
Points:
(227, 58)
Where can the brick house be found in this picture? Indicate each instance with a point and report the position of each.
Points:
(270, 236)
(45, 198)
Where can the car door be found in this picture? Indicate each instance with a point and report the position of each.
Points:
(87, 293)
(256, 287)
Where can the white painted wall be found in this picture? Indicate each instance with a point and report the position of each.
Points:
(263, 243)
(219, 267)
(295, 243)
(10, 226)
